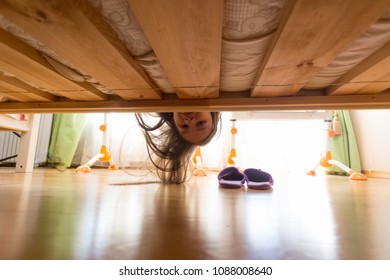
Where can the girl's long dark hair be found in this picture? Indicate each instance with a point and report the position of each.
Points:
(167, 150)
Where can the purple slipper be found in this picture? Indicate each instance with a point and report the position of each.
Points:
(231, 178)
(257, 179)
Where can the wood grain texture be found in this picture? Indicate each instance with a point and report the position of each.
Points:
(62, 215)
(63, 27)
(186, 37)
(310, 36)
(223, 103)
(15, 89)
(370, 76)
(29, 66)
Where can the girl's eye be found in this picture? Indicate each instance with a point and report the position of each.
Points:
(184, 126)
(201, 123)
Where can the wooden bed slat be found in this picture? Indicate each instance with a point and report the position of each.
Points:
(310, 36)
(186, 37)
(17, 90)
(371, 76)
(29, 66)
(63, 27)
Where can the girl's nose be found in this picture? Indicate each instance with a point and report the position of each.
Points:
(187, 119)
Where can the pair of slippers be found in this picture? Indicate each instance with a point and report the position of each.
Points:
(233, 178)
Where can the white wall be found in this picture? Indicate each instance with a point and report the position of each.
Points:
(372, 129)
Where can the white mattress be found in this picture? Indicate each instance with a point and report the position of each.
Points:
(372, 40)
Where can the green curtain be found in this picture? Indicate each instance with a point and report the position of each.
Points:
(65, 136)
(344, 147)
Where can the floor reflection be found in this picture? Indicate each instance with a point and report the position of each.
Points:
(66, 216)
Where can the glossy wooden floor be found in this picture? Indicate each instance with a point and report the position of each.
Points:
(63, 215)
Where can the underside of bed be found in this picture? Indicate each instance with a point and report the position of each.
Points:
(193, 55)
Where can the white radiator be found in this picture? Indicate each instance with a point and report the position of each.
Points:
(9, 143)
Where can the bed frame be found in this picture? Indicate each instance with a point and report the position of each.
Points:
(187, 39)
(28, 129)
